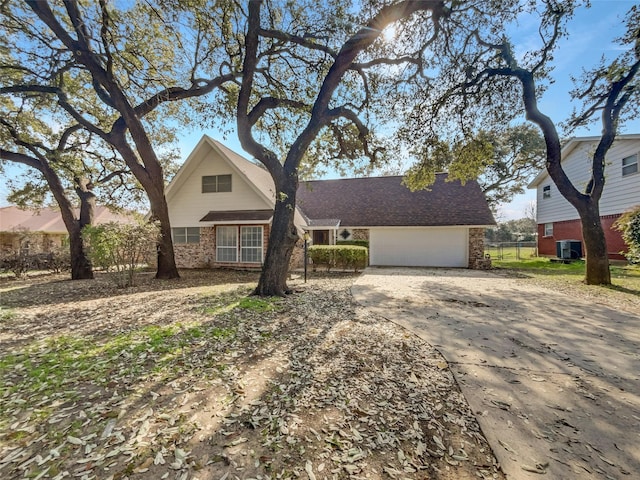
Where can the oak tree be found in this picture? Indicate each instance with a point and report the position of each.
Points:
(136, 60)
(315, 79)
(487, 81)
(502, 160)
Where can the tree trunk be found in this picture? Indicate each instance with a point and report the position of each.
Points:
(152, 180)
(282, 239)
(81, 267)
(166, 259)
(597, 261)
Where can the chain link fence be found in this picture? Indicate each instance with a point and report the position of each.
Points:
(511, 250)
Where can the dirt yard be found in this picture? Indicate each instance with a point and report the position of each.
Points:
(190, 379)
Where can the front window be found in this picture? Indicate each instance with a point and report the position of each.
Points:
(548, 229)
(630, 165)
(226, 244)
(546, 191)
(239, 244)
(186, 235)
(251, 244)
(216, 183)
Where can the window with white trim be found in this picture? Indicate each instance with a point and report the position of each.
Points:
(216, 183)
(185, 235)
(548, 229)
(239, 244)
(546, 191)
(630, 165)
(226, 244)
(251, 244)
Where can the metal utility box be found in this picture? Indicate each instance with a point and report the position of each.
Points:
(569, 249)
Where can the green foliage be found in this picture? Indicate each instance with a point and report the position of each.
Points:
(523, 229)
(502, 160)
(121, 247)
(6, 314)
(360, 243)
(629, 225)
(339, 256)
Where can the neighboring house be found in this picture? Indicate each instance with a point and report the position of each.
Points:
(221, 207)
(41, 231)
(558, 220)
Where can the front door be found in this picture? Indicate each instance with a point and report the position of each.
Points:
(321, 237)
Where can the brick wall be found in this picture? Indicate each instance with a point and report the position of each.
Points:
(360, 234)
(203, 254)
(477, 260)
(572, 230)
(34, 242)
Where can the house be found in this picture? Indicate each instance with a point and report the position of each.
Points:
(221, 206)
(558, 220)
(41, 231)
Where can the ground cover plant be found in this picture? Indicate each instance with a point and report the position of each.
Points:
(193, 379)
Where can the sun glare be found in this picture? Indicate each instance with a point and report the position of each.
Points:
(389, 33)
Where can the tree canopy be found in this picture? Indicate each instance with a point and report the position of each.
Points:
(487, 81)
(119, 70)
(502, 161)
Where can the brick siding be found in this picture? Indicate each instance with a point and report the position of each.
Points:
(572, 230)
(203, 254)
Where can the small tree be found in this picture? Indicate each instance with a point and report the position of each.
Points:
(629, 225)
(122, 247)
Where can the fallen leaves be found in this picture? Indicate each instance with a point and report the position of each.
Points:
(312, 386)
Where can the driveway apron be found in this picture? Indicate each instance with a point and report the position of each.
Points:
(553, 380)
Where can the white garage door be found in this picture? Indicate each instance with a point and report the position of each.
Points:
(419, 247)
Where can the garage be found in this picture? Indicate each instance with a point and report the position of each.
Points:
(419, 247)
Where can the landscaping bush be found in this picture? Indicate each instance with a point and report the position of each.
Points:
(339, 256)
(58, 261)
(629, 225)
(19, 263)
(121, 247)
(359, 243)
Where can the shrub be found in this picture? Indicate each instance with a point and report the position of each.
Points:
(18, 262)
(339, 256)
(359, 243)
(59, 260)
(629, 225)
(121, 247)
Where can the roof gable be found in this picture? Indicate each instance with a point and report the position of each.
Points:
(386, 201)
(256, 177)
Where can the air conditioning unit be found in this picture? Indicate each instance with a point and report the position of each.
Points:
(569, 249)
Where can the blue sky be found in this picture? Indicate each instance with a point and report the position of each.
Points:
(593, 32)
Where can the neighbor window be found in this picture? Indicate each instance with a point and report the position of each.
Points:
(216, 183)
(239, 244)
(186, 235)
(630, 165)
(546, 191)
(548, 229)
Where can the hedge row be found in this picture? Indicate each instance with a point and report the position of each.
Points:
(339, 256)
(20, 263)
(360, 243)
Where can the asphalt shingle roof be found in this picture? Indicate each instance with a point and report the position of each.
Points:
(385, 201)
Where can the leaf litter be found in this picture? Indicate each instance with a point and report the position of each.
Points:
(185, 380)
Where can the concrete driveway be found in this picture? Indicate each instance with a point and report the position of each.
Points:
(553, 380)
